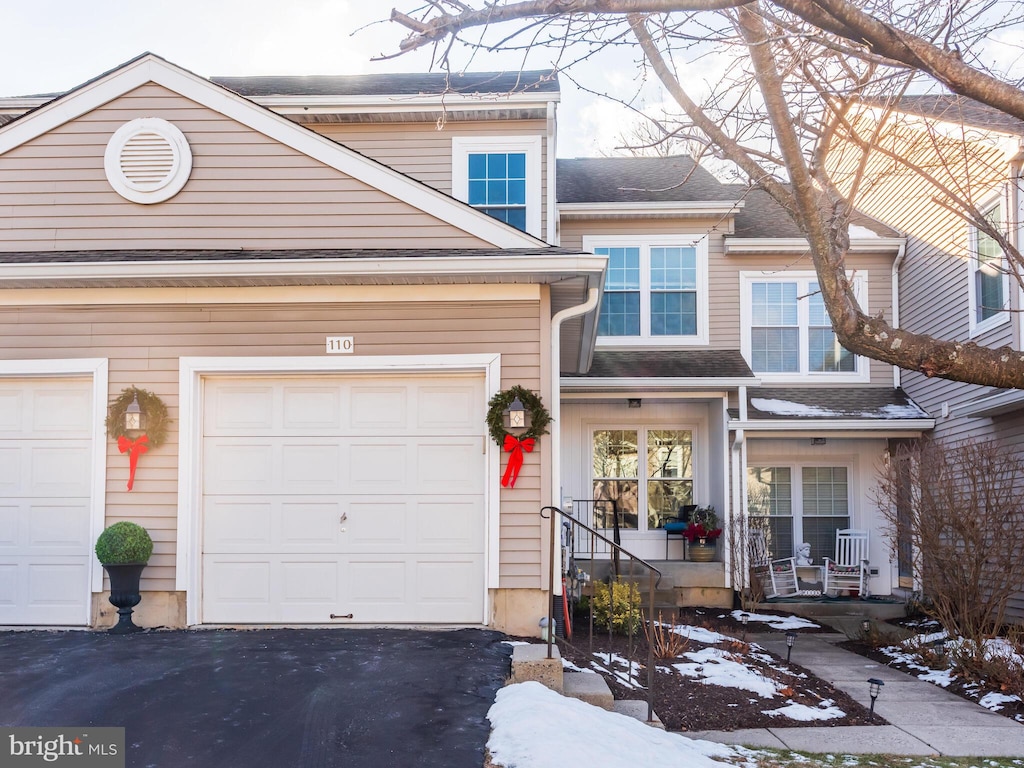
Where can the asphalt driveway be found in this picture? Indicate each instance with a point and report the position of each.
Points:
(279, 697)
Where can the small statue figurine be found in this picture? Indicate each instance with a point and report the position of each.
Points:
(803, 554)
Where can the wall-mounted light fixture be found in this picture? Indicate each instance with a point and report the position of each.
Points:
(634, 402)
(516, 416)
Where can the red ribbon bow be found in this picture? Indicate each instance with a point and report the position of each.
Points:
(136, 448)
(515, 446)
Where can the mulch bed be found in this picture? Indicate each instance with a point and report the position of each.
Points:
(689, 704)
(972, 691)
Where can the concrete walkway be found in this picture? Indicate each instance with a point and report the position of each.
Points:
(924, 719)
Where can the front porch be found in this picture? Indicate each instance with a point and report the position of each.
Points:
(687, 584)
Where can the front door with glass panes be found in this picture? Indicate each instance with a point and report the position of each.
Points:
(642, 475)
(798, 504)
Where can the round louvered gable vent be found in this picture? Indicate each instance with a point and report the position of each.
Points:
(148, 160)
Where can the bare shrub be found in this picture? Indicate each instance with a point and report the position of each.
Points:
(960, 507)
(667, 643)
(746, 584)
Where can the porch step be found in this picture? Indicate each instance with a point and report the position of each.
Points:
(589, 687)
(530, 662)
(638, 711)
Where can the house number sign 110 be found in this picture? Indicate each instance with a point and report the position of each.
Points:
(340, 345)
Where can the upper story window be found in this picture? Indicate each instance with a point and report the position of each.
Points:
(787, 332)
(655, 290)
(989, 288)
(501, 176)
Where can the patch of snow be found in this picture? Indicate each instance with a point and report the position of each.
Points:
(894, 411)
(533, 727)
(856, 230)
(778, 622)
(995, 701)
(566, 664)
(713, 666)
(788, 407)
(702, 635)
(794, 711)
(630, 677)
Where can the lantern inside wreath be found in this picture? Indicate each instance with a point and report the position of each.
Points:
(138, 421)
(516, 418)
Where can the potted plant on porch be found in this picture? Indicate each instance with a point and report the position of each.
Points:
(124, 549)
(702, 534)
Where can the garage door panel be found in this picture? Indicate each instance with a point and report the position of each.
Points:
(447, 409)
(61, 411)
(449, 589)
(56, 526)
(380, 467)
(379, 408)
(37, 590)
(450, 466)
(306, 408)
(238, 408)
(454, 526)
(377, 525)
(310, 467)
(236, 581)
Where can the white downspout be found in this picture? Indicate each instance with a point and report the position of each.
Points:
(900, 255)
(739, 476)
(593, 296)
(553, 235)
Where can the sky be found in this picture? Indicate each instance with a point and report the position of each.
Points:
(53, 45)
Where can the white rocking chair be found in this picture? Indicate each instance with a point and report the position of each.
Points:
(777, 577)
(849, 569)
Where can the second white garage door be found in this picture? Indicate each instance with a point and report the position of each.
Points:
(343, 495)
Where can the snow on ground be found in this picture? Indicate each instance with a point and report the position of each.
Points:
(777, 622)
(717, 667)
(826, 711)
(532, 727)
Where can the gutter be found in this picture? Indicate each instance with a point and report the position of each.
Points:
(553, 234)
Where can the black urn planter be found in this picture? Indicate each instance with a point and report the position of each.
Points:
(124, 593)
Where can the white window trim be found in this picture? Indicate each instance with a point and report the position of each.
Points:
(796, 473)
(645, 243)
(1000, 318)
(862, 366)
(698, 450)
(464, 146)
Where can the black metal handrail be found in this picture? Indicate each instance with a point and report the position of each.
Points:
(616, 552)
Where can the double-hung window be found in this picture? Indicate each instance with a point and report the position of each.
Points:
(500, 176)
(989, 289)
(787, 332)
(655, 290)
(794, 504)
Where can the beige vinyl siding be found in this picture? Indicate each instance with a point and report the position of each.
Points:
(724, 272)
(424, 151)
(144, 344)
(246, 191)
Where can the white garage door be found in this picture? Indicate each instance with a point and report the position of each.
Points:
(45, 459)
(341, 495)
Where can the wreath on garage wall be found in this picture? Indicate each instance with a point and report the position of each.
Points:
(157, 425)
(516, 445)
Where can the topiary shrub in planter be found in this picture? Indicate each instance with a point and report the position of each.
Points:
(124, 549)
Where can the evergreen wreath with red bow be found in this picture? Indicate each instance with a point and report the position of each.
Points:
(516, 445)
(155, 434)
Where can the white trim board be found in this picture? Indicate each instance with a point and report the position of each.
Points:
(150, 68)
(97, 369)
(192, 370)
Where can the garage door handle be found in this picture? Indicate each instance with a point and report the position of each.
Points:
(344, 517)
(341, 615)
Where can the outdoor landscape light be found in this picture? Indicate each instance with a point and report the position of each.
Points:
(133, 415)
(790, 639)
(865, 626)
(940, 646)
(744, 618)
(515, 415)
(874, 687)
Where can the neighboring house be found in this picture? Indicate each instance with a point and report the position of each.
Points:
(953, 278)
(326, 279)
